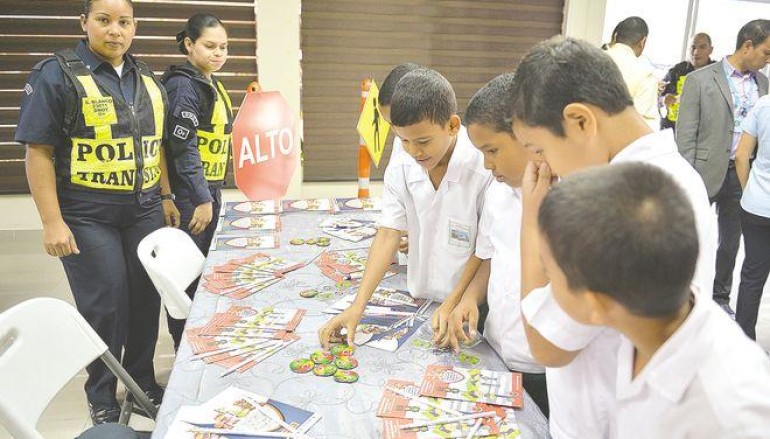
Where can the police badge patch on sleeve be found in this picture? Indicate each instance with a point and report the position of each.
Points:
(181, 132)
(191, 117)
(28, 89)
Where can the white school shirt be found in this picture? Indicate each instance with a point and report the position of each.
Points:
(398, 147)
(499, 241)
(572, 414)
(441, 223)
(708, 380)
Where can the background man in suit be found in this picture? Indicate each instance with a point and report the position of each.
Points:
(714, 102)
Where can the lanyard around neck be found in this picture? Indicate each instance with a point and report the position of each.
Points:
(741, 105)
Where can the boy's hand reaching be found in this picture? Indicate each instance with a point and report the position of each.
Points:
(440, 322)
(331, 331)
(467, 311)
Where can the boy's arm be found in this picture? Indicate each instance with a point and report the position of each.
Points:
(748, 142)
(440, 320)
(537, 182)
(468, 308)
(381, 254)
(746, 147)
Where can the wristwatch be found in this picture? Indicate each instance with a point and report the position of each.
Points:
(165, 197)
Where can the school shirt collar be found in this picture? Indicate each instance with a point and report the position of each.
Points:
(651, 145)
(456, 164)
(95, 63)
(675, 365)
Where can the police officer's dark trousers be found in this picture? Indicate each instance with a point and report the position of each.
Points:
(202, 240)
(111, 288)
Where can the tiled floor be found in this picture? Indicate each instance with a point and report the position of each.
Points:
(26, 272)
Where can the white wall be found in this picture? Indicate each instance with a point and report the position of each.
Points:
(278, 58)
(584, 19)
(722, 19)
(666, 19)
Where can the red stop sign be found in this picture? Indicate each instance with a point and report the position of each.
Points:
(265, 145)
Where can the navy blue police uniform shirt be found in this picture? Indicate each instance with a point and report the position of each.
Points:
(186, 102)
(42, 105)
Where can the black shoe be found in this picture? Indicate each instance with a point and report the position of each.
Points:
(155, 396)
(104, 414)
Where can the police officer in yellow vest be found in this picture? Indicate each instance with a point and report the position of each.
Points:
(93, 122)
(200, 119)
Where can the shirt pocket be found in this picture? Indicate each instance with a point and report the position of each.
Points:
(460, 237)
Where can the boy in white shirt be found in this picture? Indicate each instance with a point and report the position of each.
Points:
(619, 244)
(434, 192)
(492, 274)
(572, 108)
(385, 97)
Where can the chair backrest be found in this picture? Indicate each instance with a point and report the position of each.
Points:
(44, 342)
(173, 262)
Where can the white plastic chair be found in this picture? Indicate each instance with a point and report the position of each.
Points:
(173, 262)
(44, 342)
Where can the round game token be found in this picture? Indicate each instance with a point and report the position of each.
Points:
(310, 241)
(341, 350)
(301, 365)
(321, 357)
(297, 241)
(325, 370)
(323, 243)
(346, 363)
(346, 376)
(323, 239)
(307, 294)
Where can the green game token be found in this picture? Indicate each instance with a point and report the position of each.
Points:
(468, 359)
(323, 243)
(346, 376)
(297, 241)
(307, 294)
(346, 363)
(325, 370)
(341, 350)
(301, 365)
(310, 241)
(323, 239)
(321, 357)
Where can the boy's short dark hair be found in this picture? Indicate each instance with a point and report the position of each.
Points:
(755, 31)
(389, 84)
(631, 30)
(561, 71)
(422, 94)
(627, 231)
(490, 105)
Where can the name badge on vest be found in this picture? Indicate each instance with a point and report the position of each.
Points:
(459, 234)
(99, 111)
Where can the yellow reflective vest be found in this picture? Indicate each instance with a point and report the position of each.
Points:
(116, 147)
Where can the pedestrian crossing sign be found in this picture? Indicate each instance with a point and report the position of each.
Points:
(372, 128)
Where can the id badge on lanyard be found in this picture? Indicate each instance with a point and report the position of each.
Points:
(740, 103)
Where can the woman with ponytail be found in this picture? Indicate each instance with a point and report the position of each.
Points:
(199, 123)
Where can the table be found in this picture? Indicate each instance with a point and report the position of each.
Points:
(348, 410)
